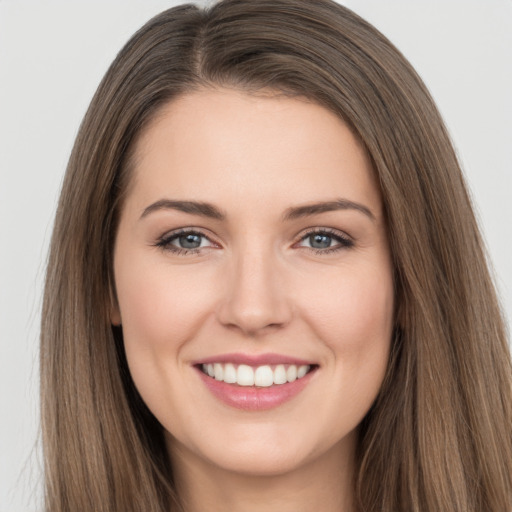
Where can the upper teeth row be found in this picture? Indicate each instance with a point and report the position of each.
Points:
(262, 376)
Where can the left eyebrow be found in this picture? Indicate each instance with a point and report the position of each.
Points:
(192, 207)
(327, 206)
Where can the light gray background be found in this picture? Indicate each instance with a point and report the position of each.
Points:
(52, 56)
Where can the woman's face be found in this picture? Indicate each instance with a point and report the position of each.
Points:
(252, 244)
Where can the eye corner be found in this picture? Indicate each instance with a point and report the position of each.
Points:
(188, 247)
(329, 240)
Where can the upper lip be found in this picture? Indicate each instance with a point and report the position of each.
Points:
(254, 359)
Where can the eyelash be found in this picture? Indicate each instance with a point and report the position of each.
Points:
(165, 242)
(343, 241)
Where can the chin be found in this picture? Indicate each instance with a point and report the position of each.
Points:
(267, 453)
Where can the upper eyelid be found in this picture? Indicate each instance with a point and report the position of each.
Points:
(165, 243)
(303, 233)
(300, 236)
(166, 240)
(183, 231)
(330, 231)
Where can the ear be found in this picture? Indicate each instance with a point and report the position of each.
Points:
(115, 315)
(113, 306)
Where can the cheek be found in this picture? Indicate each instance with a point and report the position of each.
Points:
(353, 316)
(162, 308)
(353, 306)
(160, 305)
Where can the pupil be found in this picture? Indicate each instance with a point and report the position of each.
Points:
(190, 241)
(320, 241)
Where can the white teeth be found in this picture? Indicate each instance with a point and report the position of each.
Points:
(218, 371)
(291, 373)
(229, 374)
(264, 376)
(245, 375)
(302, 371)
(280, 374)
(261, 376)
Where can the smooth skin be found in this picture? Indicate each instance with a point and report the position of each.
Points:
(246, 275)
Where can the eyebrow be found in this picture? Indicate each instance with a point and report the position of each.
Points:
(193, 207)
(209, 210)
(327, 206)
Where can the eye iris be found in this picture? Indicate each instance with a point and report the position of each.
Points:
(320, 241)
(190, 241)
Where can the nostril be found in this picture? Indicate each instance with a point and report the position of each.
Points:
(254, 301)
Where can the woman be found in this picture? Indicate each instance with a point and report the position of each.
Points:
(266, 286)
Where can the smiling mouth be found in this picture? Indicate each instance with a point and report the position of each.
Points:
(256, 376)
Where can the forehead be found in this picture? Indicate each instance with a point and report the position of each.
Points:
(226, 144)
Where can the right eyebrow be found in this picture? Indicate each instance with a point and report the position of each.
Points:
(327, 206)
(193, 207)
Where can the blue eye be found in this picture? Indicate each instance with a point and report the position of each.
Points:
(320, 241)
(184, 242)
(188, 241)
(325, 241)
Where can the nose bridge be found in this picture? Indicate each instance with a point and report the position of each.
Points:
(255, 298)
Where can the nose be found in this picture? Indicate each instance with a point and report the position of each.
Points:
(255, 299)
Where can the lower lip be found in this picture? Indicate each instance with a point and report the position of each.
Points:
(251, 398)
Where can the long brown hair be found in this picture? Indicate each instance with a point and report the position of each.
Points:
(438, 437)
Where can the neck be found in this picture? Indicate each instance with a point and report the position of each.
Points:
(325, 480)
